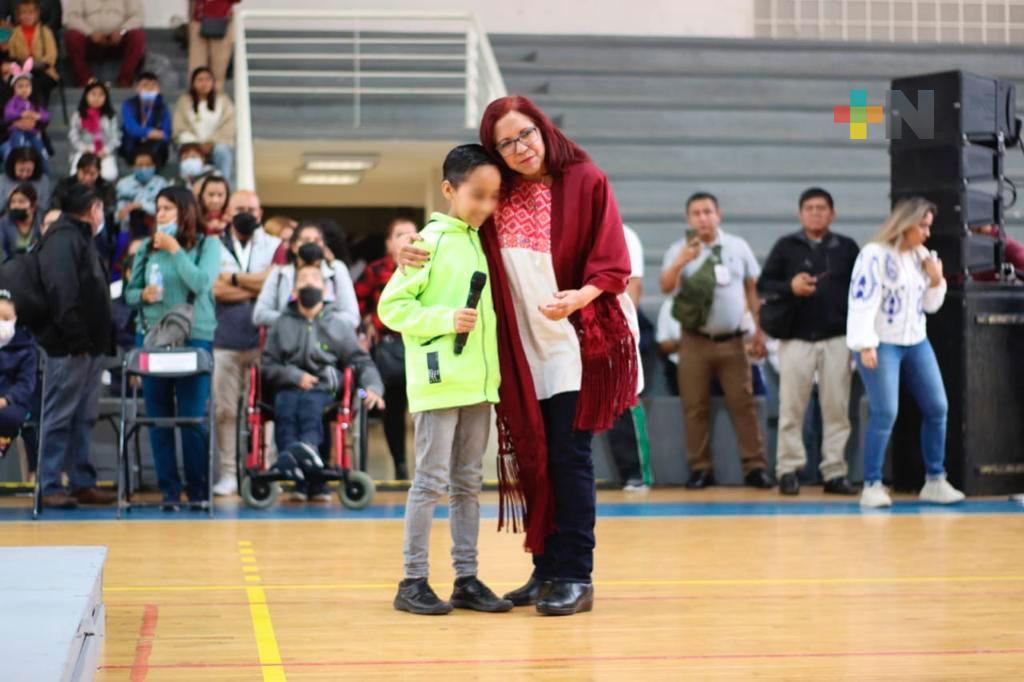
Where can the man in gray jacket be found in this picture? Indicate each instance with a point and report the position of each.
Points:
(306, 350)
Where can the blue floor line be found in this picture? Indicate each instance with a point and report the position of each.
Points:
(291, 512)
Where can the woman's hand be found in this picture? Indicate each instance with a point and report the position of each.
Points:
(869, 358)
(373, 401)
(152, 294)
(933, 268)
(410, 256)
(165, 242)
(563, 304)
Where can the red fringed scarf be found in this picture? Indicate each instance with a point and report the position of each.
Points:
(588, 246)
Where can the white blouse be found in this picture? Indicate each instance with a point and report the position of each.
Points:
(889, 296)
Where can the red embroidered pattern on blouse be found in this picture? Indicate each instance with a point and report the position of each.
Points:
(524, 218)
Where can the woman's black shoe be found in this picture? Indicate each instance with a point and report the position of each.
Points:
(789, 484)
(530, 593)
(700, 479)
(840, 485)
(565, 599)
(416, 596)
(472, 594)
(758, 478)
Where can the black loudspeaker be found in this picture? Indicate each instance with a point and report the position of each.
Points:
(965, 106)
(978, 337)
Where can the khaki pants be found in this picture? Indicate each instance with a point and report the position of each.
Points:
(798, 363)
(700, 359)
(229, 373)
(215, 53)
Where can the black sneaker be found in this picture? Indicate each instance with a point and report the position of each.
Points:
(472, 594)
(789, 484)
(416, 596)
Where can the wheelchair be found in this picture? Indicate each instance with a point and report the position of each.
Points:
(345, 441)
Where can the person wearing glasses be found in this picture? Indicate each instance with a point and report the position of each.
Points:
(558, 265)
(806, 282)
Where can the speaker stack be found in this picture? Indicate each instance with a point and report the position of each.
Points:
(957, 163)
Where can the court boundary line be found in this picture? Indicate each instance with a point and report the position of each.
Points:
(259, 612)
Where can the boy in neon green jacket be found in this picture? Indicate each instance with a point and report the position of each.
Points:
(450, 392)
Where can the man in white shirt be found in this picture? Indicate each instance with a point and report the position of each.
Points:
(246, 255)
(714, 346)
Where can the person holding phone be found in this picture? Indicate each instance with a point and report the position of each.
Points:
(896, 282)
(807, 278)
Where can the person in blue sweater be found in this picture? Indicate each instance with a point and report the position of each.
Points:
(178, 264)
(146, 119)
(17, 372)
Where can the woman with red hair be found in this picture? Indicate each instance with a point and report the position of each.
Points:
(557, 255)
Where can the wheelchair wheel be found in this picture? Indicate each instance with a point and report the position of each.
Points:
(259, 494)
(357, 491)
(242, 436)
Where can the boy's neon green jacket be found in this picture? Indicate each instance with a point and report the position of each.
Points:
(421, 304)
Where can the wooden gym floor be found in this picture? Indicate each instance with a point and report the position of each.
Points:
(718, 585)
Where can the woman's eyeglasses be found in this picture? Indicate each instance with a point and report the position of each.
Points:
(525, 137)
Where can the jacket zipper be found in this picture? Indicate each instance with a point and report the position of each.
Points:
(483, 327)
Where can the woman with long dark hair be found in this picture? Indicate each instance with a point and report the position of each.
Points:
(178, 264)
(213, 195)
(557, 255)
(206, 117)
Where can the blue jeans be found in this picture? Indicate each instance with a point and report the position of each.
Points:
(70, 407)
(223, 157)
(917, 366)
(298, 417)
(21, 138)
(192, 395)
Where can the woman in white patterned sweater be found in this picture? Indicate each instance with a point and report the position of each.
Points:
(896, 281)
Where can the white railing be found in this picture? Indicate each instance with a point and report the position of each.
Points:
(477, 82)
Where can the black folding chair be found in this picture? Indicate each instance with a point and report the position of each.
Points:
(171, 363)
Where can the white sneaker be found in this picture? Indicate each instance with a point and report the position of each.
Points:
(940, 491)
(226, 487)
(875, 496)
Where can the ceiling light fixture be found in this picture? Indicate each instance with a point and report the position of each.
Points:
(329, 178)
(340, 162)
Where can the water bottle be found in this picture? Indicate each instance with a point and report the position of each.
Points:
(155, 278)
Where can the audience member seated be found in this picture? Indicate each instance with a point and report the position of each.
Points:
(211, 37)
(17, 372)
(22, 166)
(177, 265)
(137, 192)
(87, 171)
(213, 193)
(24, 109)
(104, 29)
(192, 166)
(146, 121)
(206, 117)
(19, 227)
(307, 248)
(1013, 252)
(306, 347)
(76, 339)
(95, 130)
(51, 11)
(34, 40)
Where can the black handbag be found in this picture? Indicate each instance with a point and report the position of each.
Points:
(212, 28)
(389, 356)
(777, 316)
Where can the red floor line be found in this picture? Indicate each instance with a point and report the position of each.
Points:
(144, 647)
(592, 659)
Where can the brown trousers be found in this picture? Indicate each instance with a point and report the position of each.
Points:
(700, 359)
(212, 52)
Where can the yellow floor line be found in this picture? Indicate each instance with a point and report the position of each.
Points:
(262, 625)
(696, 582)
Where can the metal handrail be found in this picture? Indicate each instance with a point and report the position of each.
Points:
(482, 79)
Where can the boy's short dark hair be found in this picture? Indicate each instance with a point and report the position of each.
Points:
(462, 161)
(700, 196)
(148, 76)
(80, 200)
(816, 193)
(144, 150)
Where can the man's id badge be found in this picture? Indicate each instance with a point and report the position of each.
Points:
(722, 275)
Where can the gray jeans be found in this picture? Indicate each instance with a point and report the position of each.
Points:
(452, 441)
(70, 408)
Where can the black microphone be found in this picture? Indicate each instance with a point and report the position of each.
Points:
(476, 287)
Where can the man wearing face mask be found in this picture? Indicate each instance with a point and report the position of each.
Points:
(76, 336)
(246, 254)
(306, 349)
(137, 192)
(146, 120)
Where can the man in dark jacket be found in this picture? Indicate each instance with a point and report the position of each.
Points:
(807, 278)
(76, 337)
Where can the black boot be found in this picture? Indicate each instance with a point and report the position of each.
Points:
(530, 593)
(416, 596)
(472, 594)
(789, 484)
(565, 599)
